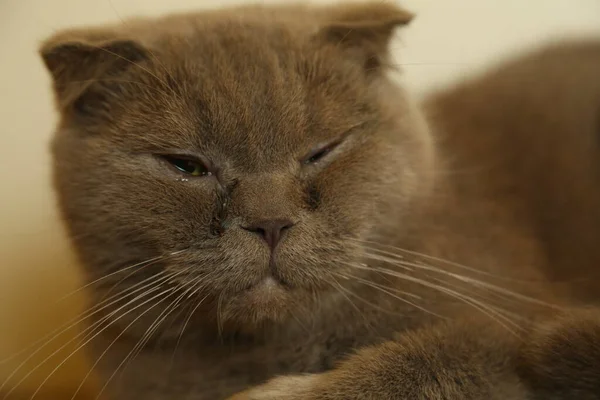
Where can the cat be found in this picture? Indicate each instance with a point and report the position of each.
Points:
(263, 213)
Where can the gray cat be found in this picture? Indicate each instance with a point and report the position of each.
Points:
(254, 198)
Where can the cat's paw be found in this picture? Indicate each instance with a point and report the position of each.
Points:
(562, 359)
(295, 387)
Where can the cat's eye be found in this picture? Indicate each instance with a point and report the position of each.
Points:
(319, 153)
(188, 166)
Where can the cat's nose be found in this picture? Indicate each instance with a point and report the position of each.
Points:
(271, 230)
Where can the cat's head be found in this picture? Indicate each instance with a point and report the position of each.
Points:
(237, 157)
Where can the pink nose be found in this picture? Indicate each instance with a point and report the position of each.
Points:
(270, 230)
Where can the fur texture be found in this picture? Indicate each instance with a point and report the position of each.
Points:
(290, 115)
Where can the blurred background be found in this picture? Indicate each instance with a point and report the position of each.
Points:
(448, 39)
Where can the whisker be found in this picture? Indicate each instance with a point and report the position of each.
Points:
(136, 350)
(161, 317)
(402, 292)
(85, 333)
(342, 291)
(172, 291)
(489, 297)
(375, 306)
(219, 317)
(169, 277)
(187, 321)
(301, 324)
(120, 270)
(473, 302)
(462, 278)
(474, 290)
(68, 357)
(389, 291)
(49, 337)
(133, 272)
(433, 258)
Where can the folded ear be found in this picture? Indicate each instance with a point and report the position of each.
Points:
(86, 61)
(365, 30)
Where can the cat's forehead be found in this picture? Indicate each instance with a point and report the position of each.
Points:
(268, 79)
(262, 91)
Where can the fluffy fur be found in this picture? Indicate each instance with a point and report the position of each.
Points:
(502, 178)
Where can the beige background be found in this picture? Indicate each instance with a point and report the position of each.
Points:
(448, 39)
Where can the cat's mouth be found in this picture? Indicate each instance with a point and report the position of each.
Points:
(270, 279)
(268, 283)
(268, 295)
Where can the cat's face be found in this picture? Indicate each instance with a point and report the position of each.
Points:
(239, 161)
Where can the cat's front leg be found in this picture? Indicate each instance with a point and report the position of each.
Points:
(557, 359)
(473, 360)
(561, 360)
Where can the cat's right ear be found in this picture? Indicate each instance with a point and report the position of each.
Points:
(364, 30)
(85, 64)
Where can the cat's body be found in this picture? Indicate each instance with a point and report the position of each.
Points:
(503, 180)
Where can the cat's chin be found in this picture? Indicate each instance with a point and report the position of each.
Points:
(267, 300)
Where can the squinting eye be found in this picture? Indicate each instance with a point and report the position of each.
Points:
(319, 153)
(188, 166)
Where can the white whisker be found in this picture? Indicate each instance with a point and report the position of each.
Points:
(342, 292)
(171, 291)
(96, 309)
(390, 292)
(473, 302)
(85, 333)
(49, 337)
(462, 278)
(429, 257)
(375, 306)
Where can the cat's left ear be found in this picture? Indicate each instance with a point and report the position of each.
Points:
(85, 64)
(364, 30)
